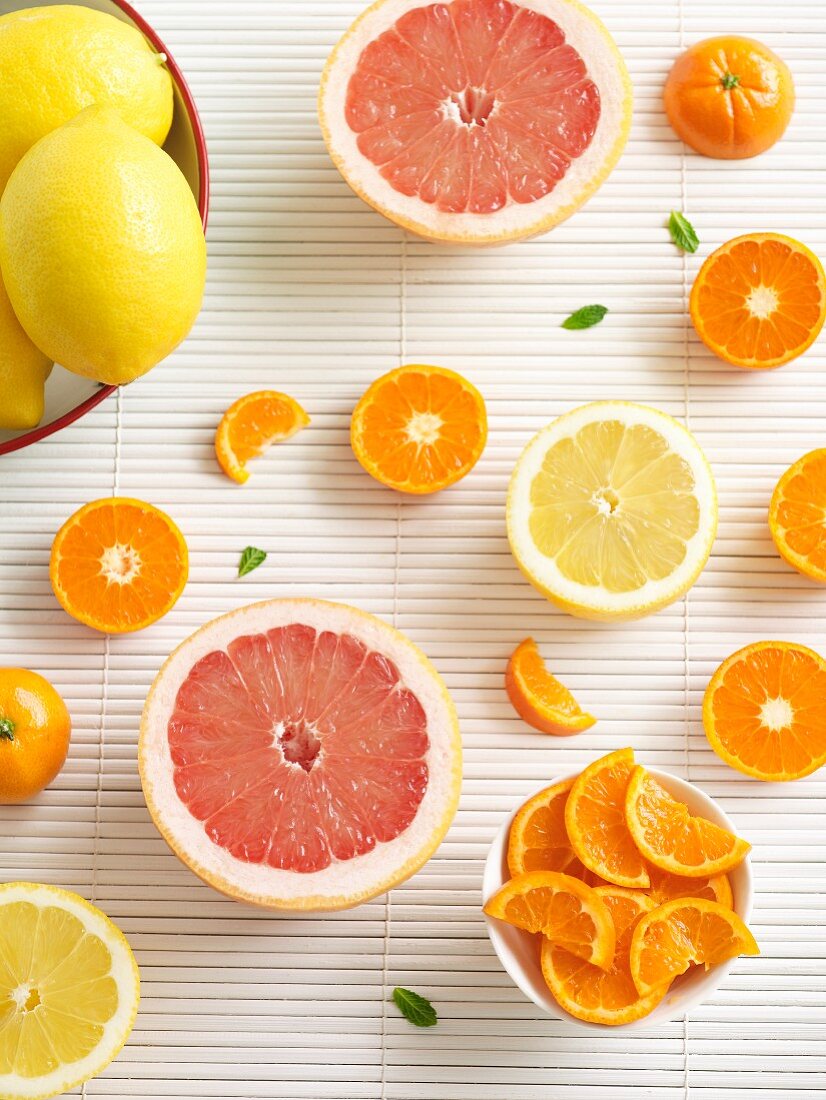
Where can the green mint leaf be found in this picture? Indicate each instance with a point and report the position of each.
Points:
(415, 1008)
(6, 729)
(586, 317)
(682, 232)
(251, 558)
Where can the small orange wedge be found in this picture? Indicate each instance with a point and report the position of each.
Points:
(673, 936)
(665, 887)
(539, 698)
(764, 711)
(562, 908)
(797, 515)
(251, 425)
(538, 840)
(595, 821)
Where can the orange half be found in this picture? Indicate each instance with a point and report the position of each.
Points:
(539, 698)
(251, 425)
(797, 515)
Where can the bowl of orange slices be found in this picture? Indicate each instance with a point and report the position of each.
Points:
(619, 896)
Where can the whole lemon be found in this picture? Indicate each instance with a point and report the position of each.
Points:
(54, 61)
(23, 372)
(101, 248)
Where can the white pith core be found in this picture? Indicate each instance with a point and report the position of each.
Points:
(424, 428)
(606, 501)
(777, 714)
(472, 107)
(762, 302)
(25, 998)
(299, 743)
(120, 564)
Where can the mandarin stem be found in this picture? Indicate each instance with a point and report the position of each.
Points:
(6, 729)
(729, 81)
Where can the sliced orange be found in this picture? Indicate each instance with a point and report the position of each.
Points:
(665, 887)
(538, 840)
(603, 996)
(673, 936)
(562, 908)
(595, 821)
(419, 429)
(797, 515)
(764, 711)
(118, 564)
(251, 425)
(759, 300)
(670, 837)
(539, 698)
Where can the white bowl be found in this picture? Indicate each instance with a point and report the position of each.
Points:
(518, 951)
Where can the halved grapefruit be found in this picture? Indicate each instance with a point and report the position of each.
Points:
(300, 755)
(476, 121)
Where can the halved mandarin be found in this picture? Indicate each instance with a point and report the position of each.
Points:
(538, 840)
(760, 300)
(797, 515)
(419, 429)
(666, 887)
(764, 711)
(539, 698)
(251, 425)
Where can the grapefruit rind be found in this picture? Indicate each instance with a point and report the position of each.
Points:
(344, 884)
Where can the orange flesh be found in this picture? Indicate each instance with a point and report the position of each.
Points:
(251, 425)
(798, 515)
(538, 697)
(538, 839)
(667, 887)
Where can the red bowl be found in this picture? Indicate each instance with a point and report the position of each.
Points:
(187, 147)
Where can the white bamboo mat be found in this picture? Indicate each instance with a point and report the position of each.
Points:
(312, 293)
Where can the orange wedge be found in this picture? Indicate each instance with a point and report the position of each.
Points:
(595, 821)
(603, 996)
(251, 425)
(672, 838)
(538, 840)
(665, 887)
(797, 515)
(539, 698)
(673, 936)
(118, 564)
(419, 429)
(562, 908)
(764, 711)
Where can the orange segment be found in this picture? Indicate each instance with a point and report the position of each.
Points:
(759, 300)
(672, 838)
(797, 515)
(539, 698)
(595, 820)
(562, 908)
(251, 425)
(666, 887)
(688, 930)
(764, 711)
(419, 429)
(603, 996)
(118, 564)
(538, 840)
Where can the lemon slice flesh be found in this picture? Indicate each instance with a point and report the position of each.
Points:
(69, 991)
(612, 510)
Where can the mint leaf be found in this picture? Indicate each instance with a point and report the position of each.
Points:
(682, 232)
(415, 1008)
(251, 558)
(586, 317)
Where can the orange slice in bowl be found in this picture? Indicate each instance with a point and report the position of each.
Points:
(539, 698)
(673, 936)
(797, 515)
(538, 840)
(672, 838)
(666, 887)
(562, 908)
(595, 821)
(251, 425)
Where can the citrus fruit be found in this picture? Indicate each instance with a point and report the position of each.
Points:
(672, 838)
(673, 936)
(764, 711)
(603, 996)
(69, 991)
(419, 429)
(612, 511)
(729, 97)
(34, 734)
(101, 248)
(23, 372)
(562, 908)
(118, 564)
(478, 121)
(759, 301)
(538, 697)
(58, 59)
(595, 821)
(300, 754)
(538, 840)
(251, 425)
(797, 515)
(665, 887)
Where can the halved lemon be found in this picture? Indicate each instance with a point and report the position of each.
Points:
(69, 991)
(612, 510)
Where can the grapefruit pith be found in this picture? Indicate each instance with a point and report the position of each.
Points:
(475, 121)
(300, 755)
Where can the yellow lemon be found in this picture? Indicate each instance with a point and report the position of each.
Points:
(23, 372)
(54, 61)
(101, 248)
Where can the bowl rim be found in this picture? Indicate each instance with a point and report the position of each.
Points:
(43, 431)
(493, 878)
